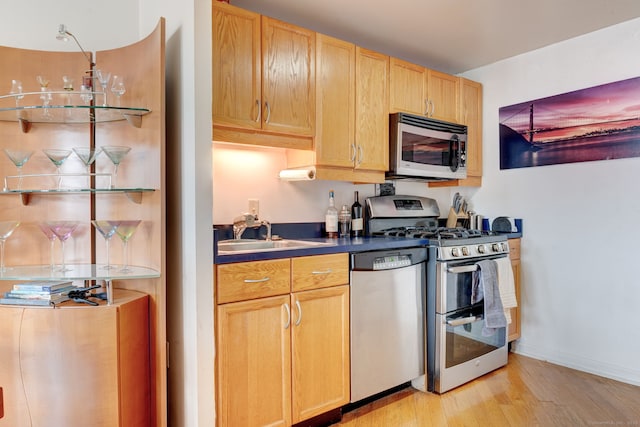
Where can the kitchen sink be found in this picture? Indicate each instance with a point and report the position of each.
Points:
(254, 245)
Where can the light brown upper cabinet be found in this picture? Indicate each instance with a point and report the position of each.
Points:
(419, 90)
(469, 114)
(351, 114)
(263, 80)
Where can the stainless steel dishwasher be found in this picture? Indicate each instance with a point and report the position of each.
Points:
(387, 319)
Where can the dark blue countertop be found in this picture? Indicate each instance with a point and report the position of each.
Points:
(341, 245)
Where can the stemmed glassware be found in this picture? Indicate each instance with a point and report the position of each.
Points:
(63, 230)
(125, 230)
(16, 90)
(45, 96)
(116, 153)
(57, 157)
(103, 78)
(19, 158)
(44, 227)
(6, 229)
(88, 156)
(86, 94)
(107, 229)
(118, 88)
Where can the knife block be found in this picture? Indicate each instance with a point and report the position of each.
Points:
(456, 219)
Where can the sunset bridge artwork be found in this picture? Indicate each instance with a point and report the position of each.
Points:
(597, 123)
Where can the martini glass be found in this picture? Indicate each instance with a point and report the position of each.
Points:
(58, 157)
(103, 78)
(63, 230)
(45, 95)
(6, 229)
(19, 158)
(125, 230)
(107, 229)
(88, 156)
(44, 227)
(116, 153)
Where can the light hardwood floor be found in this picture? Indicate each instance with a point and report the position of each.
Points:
(527, 392)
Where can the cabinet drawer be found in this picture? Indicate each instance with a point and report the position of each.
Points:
(514, 248)
(249, 280)
(319, 271)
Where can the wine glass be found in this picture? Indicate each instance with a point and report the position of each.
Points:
(86, 94)
(45, 96)
(125, 230)
(19, 158)
(116, 153)
(63, 230)
(88, 156)
(57, 157)
(107, 229)
(118, 88)
(6, 229)
(103, 78)
(44, 227)
(16, 90)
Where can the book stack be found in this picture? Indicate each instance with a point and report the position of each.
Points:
(38, 293)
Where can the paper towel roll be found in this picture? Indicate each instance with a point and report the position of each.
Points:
(305, 174)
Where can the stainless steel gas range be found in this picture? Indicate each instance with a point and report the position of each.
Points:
(459, 346)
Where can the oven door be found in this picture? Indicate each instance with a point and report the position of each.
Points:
(464, 352)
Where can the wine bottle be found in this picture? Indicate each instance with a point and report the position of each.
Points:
(331, 218)
(357, 221)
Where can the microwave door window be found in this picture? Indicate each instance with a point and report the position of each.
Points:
(425, 150)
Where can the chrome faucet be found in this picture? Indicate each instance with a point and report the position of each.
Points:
(247, 220)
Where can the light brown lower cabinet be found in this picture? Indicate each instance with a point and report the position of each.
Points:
(513, 332)
(283, 359)
(76, 365)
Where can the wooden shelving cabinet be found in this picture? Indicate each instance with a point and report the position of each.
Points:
(513, 332)
(91, 372)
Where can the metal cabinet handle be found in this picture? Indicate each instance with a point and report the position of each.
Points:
(426, 107)
(462, 321)
(264, 279)
(463, 269)
(259, 111)
(360, 155)
(433, 108)
(352, 157)
(268, 111)
(286, 307)
(329, 271)
(299, 307)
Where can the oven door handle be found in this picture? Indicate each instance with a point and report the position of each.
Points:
(462, 321)
(463, 269)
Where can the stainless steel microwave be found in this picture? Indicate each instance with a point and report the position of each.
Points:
(426, 149)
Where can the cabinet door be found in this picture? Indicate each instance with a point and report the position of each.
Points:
(442, 91)
(75, 366)
(320, 342)
(254, 363)
(288, 71)
(236, 67)
(470, 114)
(513, 332)
(407, 87)
(372, 110)
(335, 102)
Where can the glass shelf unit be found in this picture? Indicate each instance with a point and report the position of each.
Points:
(66, 108)
(133, 194)
(79, 272)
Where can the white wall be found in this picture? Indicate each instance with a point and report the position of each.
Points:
(580, 247)
(244, 172)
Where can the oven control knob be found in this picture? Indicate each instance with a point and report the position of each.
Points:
(455, 252)
(505, 248)
(495, 247)
(482, 249)
(465, 251)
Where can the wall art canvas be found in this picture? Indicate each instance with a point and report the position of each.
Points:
(597, 123)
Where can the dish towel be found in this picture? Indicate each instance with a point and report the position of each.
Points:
(493, 311)
(507, 287)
